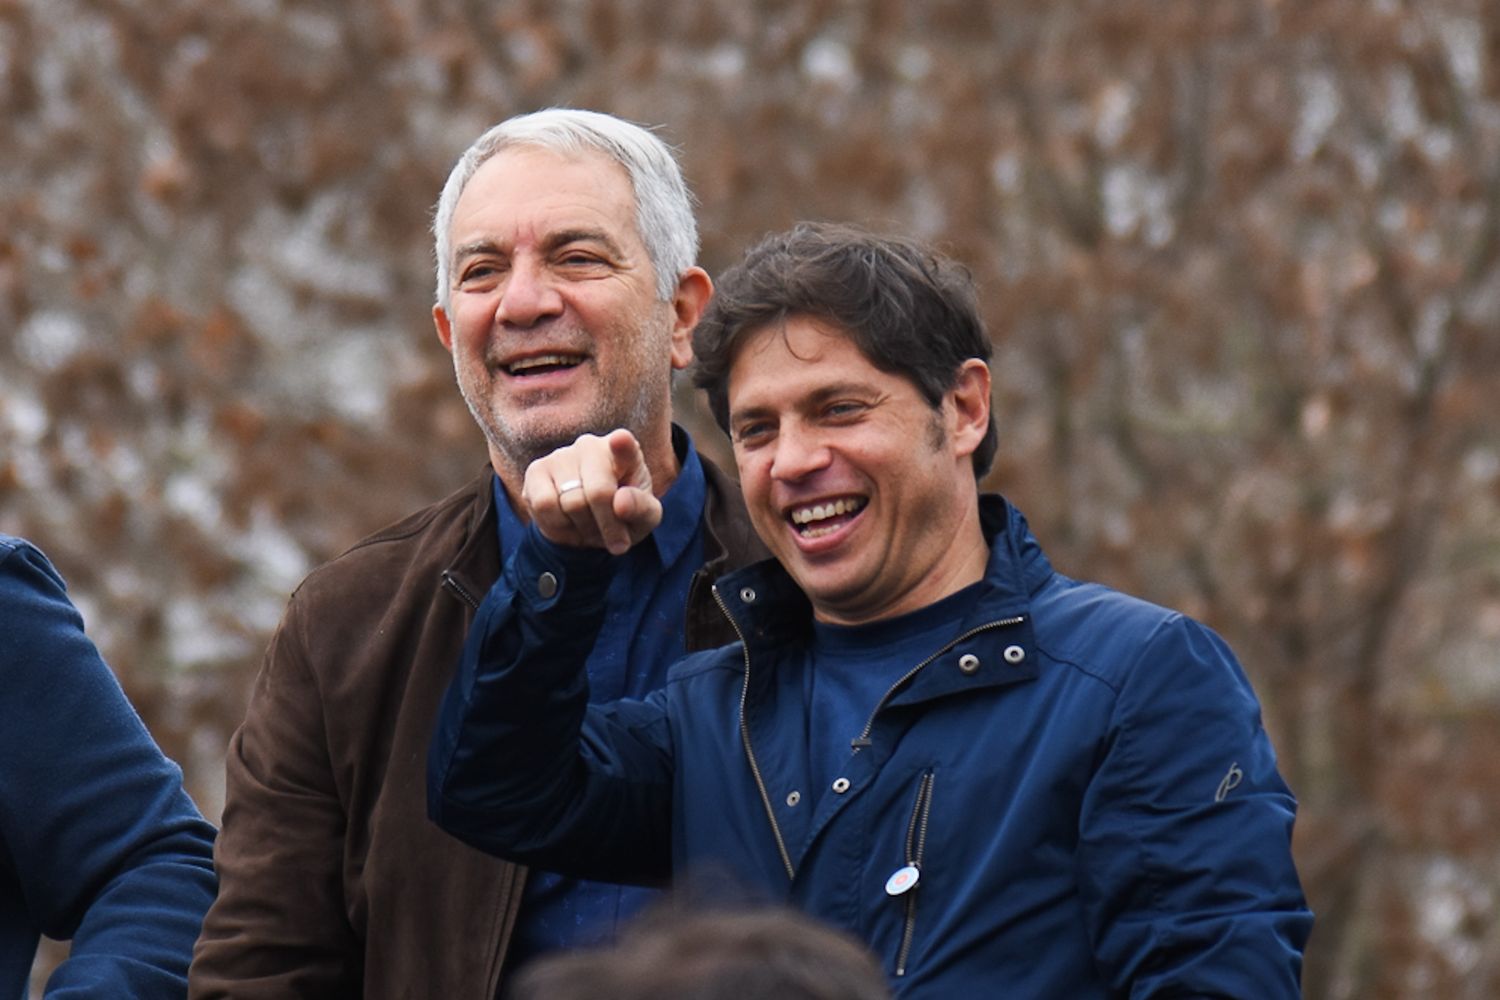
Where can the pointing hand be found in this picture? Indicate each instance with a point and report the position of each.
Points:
(594, 493)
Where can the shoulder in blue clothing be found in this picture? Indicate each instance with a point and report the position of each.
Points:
(727, 658)
(1096, 628)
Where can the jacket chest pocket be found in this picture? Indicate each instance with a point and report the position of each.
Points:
(905, 884)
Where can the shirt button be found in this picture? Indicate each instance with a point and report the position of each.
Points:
(546, 585)
(793, 798)
(1014, 654)
(968, 663)
(841, 785)
(747, 594)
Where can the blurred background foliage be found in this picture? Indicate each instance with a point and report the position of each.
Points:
(1241, 263)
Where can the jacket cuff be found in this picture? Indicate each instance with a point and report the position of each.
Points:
(545, 574)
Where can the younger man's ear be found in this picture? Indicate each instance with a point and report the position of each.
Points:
(971, 406)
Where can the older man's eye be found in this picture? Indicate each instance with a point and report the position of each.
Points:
(574, 259)
(478, 272)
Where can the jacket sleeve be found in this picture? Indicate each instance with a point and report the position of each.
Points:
(105, 846)
(280, 926)
(1185, 833)
(521, 766)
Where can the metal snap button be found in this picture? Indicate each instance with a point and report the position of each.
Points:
(546, 585)
(841, 785)
(747, 594)
(1014, 654)
(968, 663)
(793, 797)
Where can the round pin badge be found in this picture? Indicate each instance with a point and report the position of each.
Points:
(902, 880)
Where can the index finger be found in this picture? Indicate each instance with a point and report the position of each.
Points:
(600, 474)
(629, 461)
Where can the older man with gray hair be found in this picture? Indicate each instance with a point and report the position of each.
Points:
(567, 294)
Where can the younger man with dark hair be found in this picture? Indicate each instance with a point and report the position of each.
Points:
(1002, 780)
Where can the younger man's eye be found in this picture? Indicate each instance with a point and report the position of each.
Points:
(750, 433)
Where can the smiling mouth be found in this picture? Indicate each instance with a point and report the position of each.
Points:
(543, 364)
(819, 519)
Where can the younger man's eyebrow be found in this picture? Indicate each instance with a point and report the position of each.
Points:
(749, 413)
(813, 400)
(824, 393)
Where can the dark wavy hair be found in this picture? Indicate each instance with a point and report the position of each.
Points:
(761, 954)
(910, 310)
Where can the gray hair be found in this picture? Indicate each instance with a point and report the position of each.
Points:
(663, 204)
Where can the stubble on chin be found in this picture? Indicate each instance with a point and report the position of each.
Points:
(526, 450)
(536, 437)
(520, 446)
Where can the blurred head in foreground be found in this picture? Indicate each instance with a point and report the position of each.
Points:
(763, 954)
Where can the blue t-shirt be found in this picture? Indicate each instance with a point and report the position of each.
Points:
(640, 639)
(851, 667)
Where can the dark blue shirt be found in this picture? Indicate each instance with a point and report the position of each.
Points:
(851, 667)
(642, 636)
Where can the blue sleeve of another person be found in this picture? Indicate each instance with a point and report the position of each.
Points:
(99, 843)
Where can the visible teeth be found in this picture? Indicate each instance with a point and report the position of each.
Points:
(821, 511)
(543, 361)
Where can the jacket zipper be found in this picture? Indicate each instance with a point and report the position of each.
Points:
(859, 743)
(916, 847)
(450, 582)
(760, 782)
(863, 739)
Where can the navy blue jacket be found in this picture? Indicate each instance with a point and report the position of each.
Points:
(1079, 779)
(98, 841)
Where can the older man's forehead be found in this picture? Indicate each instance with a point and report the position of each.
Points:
(550, 203)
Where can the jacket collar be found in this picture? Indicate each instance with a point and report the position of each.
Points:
(770, 611)
(729, 543)
(475, 563)
(1017, 561)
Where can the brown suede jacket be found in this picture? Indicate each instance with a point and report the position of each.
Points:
(333, 883)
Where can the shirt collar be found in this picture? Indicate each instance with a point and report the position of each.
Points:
(681, 507)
